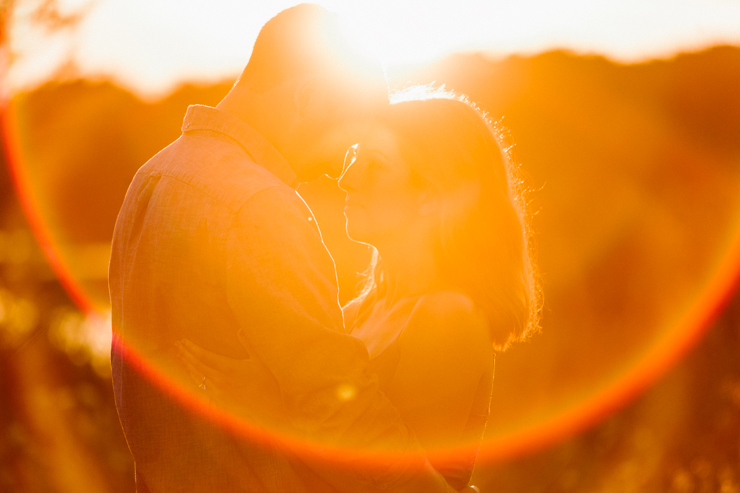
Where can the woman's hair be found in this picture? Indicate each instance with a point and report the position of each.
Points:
(484, 247)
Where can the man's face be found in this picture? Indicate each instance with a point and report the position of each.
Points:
(329, 127)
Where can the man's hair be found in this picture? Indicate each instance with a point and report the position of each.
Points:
(307, 40)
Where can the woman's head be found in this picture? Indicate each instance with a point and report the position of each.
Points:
(384, 194)
(434, 163)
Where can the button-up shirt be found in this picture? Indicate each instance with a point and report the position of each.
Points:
(213, 239)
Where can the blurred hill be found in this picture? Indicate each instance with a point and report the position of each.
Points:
(559, 107)
(635, 179)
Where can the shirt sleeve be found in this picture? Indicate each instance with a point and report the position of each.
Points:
(281, 286)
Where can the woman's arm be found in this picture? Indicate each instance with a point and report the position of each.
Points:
(445, 351)
(238, 385)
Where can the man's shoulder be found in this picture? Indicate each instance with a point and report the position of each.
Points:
(214, 167)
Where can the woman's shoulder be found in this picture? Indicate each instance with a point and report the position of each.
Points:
(447, 302)
(450, 307)
(351, 308)
(448, 320)
(356, 309)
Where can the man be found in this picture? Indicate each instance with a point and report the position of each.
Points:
(213, 240)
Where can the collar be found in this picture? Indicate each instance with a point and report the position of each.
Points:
(201, 117)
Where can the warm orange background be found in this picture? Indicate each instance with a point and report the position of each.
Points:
(635, 178)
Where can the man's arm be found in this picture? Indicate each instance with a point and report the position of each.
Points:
(282, 288)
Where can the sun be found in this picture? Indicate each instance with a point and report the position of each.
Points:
(400, 34)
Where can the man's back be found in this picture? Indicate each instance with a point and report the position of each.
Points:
(172, 277)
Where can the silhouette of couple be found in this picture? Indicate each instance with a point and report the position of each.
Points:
(234, 367)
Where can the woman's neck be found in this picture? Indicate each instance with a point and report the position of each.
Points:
(408, 267)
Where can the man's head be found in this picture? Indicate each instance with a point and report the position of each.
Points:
(319, 87)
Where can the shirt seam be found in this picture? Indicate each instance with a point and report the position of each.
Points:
(234, 210)
(232, 138)
(225, 130)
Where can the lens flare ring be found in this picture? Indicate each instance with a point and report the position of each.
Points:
(583, 412)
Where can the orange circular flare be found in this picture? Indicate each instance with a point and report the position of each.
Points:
(12, 142)
(571, 417)
(636, 379)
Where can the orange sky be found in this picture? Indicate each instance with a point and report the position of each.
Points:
(150, 45)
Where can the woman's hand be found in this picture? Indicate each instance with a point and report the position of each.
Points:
(244, 387)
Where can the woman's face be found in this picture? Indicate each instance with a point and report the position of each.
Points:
(382, 200)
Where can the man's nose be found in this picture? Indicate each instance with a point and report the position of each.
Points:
(346, 179)
(349, 158)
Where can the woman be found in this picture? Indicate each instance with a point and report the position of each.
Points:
(452, 278)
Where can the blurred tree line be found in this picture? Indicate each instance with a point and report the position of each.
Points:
(635, 172)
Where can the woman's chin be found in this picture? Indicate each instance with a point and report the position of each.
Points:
(355, 235)
(355, 231)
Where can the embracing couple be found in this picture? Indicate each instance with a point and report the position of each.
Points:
(234, 367)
